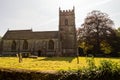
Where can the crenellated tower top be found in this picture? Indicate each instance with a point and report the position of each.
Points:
(67, 12)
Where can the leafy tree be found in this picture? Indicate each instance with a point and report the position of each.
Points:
(97, 27)
(118, 32)
(105, 47)
(0, 37)
(86, 47)
(115, 43)
(0, 44)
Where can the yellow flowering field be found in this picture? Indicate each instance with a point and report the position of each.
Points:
(49, 63)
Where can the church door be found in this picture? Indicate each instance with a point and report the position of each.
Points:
(39, 53)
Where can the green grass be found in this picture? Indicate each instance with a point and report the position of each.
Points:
(49, 63)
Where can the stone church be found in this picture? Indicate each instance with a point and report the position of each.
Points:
(45, 43)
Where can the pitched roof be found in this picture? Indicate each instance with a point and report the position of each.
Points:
(29, 34)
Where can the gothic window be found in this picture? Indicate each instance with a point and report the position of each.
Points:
(44, 44)
(25, 45)
(51, 45)
(13, 47)
(66, 21)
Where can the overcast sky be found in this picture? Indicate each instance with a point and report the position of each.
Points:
(43, 15)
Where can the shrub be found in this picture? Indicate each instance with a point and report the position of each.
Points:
(91, 63)
(108, 70)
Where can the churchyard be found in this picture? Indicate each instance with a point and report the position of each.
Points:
(50, 63)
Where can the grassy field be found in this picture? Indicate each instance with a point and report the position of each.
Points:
(49, 63)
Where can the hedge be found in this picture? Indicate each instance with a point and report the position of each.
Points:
(6, 74)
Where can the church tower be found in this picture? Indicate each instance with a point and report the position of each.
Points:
(67, 32)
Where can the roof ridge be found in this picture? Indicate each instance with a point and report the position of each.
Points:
(21, 30)
(43, 31)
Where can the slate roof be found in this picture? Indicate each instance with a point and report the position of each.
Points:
(29, 34)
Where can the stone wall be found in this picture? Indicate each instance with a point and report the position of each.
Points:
(34, 45)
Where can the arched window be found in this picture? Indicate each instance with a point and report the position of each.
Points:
(25, 45)
(51, 45)
(66, 21)
(13, 47)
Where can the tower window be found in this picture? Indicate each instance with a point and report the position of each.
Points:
(66, 21)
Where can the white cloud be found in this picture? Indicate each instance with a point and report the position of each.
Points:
(102, 2)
